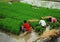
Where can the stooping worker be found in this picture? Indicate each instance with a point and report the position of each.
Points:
(42, 22)
(52, 19)
(26, 27)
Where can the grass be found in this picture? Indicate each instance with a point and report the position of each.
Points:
(16, 12)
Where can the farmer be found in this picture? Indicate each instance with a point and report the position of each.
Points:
(42, 22)
(52, 19)
(26, 27)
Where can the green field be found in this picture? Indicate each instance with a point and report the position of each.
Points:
(14, 14)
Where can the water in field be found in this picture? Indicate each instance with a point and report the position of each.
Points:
(13, 38)
(4, 37)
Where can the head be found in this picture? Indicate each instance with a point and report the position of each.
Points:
(49, 19)
(25, 21)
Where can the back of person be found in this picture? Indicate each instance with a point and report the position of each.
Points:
(42, 22)
(27, 26)
(53, 19)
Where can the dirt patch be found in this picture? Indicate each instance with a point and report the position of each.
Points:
(46, 17)
(33, 20)
(50, 33)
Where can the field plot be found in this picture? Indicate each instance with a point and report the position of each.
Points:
(12, 15)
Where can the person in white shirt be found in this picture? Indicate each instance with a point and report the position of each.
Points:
(43, 23)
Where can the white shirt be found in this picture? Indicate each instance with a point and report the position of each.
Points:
(42, 22)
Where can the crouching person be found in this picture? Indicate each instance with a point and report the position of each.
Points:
(43, 23)
(26, 27)
(52, 19)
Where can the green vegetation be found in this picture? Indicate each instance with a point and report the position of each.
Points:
(39, 29)
(4, 0)
(12, 15)
(55, 25)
